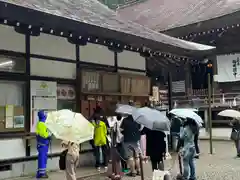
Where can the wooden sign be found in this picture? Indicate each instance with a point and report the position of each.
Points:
(110, 82)
(91, 81)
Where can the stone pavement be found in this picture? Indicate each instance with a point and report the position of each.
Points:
(217, 134)
(222, 165)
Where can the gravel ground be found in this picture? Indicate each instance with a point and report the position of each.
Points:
(222, 165)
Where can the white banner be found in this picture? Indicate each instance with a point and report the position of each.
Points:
(225, 68)
(155, 92)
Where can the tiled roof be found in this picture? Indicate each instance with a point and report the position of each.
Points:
(163, 15)
(94, 13)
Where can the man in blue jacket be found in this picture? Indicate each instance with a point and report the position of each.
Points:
(43, 141)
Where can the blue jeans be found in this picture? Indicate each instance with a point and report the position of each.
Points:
(189, 164)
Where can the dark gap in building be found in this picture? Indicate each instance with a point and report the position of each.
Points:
(6, 167)
(199, 73)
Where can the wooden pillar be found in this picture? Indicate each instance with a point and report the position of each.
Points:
(28, 95)
(170, 101)
(115, 61)
(78, 83)
(188, 78)
(213, 60)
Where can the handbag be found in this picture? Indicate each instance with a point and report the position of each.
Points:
(62, 160)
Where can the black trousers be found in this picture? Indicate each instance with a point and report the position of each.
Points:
(105, 152)
(196, 143)
(92, 143)
(157, 163)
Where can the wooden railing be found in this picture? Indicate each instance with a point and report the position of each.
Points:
(200, 97)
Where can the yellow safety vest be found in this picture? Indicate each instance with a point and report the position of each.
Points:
(100, 133)
(41, 130)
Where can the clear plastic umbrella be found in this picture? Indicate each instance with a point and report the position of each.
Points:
(125, 109)
(182, 109)
(69, 126)
(151, 119)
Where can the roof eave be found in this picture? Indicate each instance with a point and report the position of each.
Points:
(40, 19)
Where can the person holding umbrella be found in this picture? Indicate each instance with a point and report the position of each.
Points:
(131, 137)
(155, 123)
(72, 159)
(190, 128)
(176, 124)
(73, 129)
(189, 113)
(235, 134)
(155, 148)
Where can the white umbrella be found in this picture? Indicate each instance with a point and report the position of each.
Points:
(173, 111)
(69, 126)
(230, 113)
(188, 113)
(125, 109)
(152, 119)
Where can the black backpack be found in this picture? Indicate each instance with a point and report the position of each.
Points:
(62, 160)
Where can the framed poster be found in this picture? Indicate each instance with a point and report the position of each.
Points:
(66, 92)
(43, 97)
(43, 88)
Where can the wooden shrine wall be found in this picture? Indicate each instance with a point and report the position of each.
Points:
(107, 89)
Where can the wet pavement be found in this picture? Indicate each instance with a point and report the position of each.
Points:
(222, 165)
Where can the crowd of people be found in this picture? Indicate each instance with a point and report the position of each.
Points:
(127, 140)
(128, 144)
(122, 143)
